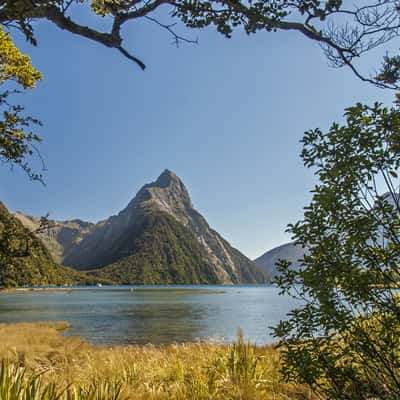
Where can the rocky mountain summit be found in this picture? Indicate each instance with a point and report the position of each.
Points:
(158, 238)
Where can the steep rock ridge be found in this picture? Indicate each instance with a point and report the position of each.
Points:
(116, 238)
(288, 251)
(61, 237)
(158, 238)
(170, 195)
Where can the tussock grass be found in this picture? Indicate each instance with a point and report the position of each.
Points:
(40, 364)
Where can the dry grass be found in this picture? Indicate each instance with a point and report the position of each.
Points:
(185, 371)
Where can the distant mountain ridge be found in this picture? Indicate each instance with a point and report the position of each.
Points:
(25, 261)
(288, 251)
(294, 252)
(61, 238)
(158, 238)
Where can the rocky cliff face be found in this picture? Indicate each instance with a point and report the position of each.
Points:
(158, 232)
(63, 236)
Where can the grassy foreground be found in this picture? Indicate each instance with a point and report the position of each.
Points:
(40, 364)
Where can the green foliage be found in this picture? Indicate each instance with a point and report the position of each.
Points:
(14, 65)
(17, 382)
(344, 339)
(16, 141)
(97, 390)
(162, 251)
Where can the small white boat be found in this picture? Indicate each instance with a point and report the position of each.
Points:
(99, 285)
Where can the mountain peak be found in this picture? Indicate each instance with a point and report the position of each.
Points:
(158, 238)
(168, 192)
(166, 178)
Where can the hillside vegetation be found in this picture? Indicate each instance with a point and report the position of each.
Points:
(25, 261)
(163, 252)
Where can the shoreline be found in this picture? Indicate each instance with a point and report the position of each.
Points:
(133, 288)
(33, 289)
(62, 326)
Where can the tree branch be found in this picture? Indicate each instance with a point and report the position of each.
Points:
(367, 27)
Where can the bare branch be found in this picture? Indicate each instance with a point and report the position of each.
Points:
(177, 38)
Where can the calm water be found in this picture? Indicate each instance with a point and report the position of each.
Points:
(138, 315)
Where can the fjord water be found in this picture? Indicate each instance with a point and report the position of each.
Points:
(154, 314)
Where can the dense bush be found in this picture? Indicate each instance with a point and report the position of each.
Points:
(344, 341)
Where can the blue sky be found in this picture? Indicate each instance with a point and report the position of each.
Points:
(225, 115)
